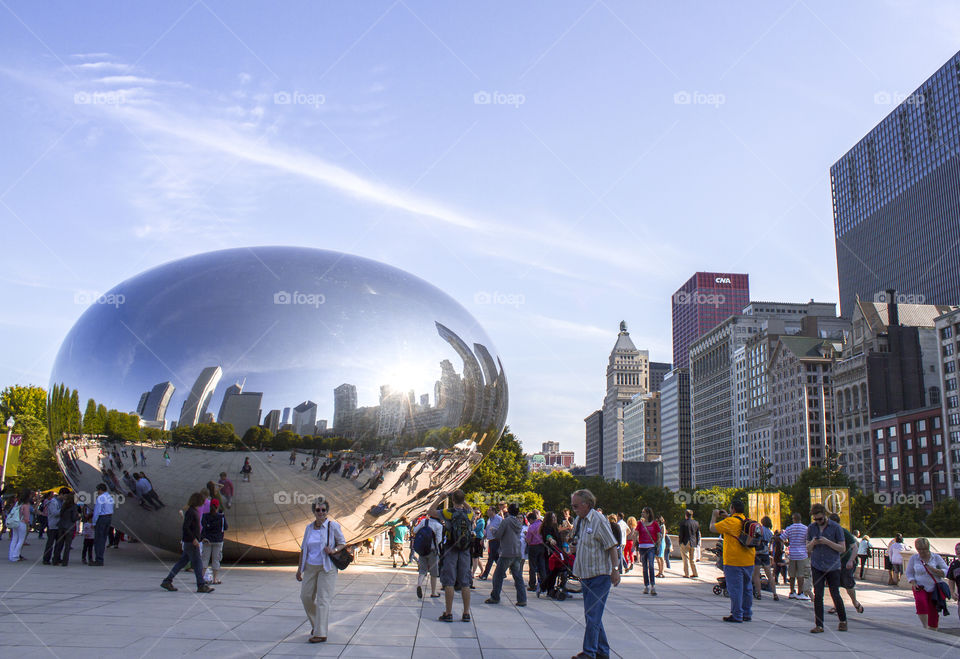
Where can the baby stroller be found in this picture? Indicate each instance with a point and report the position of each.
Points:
(561, 581)
(721, 587)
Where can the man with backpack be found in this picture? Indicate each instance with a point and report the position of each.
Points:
(825, 543)
(458, 522)
(739, 555)
(427, 534)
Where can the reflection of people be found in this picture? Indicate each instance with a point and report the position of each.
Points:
(316, 571)
(895, 558)
(246, 469)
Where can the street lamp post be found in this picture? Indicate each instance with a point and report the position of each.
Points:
(6, 452)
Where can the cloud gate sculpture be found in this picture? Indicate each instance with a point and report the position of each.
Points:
(341, 378)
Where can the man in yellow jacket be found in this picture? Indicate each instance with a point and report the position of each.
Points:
(737, 562)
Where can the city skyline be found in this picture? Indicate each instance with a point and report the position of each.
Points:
(245, 143)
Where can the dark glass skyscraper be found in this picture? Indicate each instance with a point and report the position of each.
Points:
(896, 200)
(703, 302)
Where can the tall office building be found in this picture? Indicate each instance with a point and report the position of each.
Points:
(153, 404)
(344, 407)
(628, 373)
(723, 378)
(305, 418)
(896, 201)
(194, 409)
(240, 408)
(285, 419)
(703, 302)
(658, 371)
(594, 443)
(675, 430)
(272, 421)
(641, 428)
(801, 404)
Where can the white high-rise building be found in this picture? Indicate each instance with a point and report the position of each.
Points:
(194, 408)
(305, 418)
(628, 373)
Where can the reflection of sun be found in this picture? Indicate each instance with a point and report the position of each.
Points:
(406, 375)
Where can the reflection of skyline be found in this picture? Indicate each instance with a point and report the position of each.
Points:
(475, 399)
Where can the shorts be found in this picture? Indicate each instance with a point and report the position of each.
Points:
(476, 548)
(429, 563)
(846, 578)
(762, 560)
(396, 546)
(801, 566)
(897, 568)
(456, 568)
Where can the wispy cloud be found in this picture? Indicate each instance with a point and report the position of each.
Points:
(102, 65)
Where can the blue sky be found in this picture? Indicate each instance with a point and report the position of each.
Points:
(554, 166)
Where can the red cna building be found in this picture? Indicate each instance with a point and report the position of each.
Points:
(703, 302)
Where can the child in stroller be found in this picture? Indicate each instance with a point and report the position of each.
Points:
(560, 578)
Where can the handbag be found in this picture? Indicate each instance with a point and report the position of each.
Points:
(341, 559)
(941, 591)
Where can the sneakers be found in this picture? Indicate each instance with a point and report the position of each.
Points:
(842, 627)
(646, 590)
(793, 595)
(732, 619)
(166, 585)
(817, 630)
(803, 597)
(490, 600)
(520, 604)
(205, 589)
(653, 591)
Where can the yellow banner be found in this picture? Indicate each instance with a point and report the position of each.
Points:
(13, 460)
(764, 504)
(835, 500)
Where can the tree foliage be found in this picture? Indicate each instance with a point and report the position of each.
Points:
(38, 469)
(24, 400)
(504, 469)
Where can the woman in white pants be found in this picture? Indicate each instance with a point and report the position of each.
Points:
(18, 520)
(321, 538)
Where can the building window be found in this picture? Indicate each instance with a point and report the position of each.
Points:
(893, 447)
(921, 425)
(924, 460)
(892, 431)
(906, 429)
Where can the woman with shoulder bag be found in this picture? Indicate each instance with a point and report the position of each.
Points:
(924, 570)
(321, 539)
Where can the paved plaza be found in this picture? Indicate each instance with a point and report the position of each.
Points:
(120, 611)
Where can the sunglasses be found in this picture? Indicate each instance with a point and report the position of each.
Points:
(320, 510)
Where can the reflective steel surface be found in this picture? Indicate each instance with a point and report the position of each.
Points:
(319, 343)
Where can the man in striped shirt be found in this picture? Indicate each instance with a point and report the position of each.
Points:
(799, 565)
(597, 565)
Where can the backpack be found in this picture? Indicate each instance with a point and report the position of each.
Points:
(459, 531)
(751, 533)
(13, 517)
(424, 540)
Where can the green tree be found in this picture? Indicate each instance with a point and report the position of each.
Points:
(38, 469)
(901, 518)
(24, 400)
(91, 421)
(504, 469)
(944, 520)
(555, 488)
